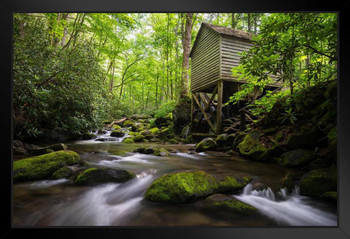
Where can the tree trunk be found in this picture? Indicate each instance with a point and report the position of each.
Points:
(249, 23)
(233, 20)
(186, 54)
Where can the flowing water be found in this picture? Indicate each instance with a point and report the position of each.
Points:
(59, 203)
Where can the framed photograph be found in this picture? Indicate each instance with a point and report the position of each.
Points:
(179, 119)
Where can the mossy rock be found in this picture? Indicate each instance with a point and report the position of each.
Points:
(87, 136)
(167, 132)
(43, 166)
(128, 141)
(128, 123)
(318, 182)
(63, 172)
(160, 152)
(181, 187)
(138, 138)
(154, 131)
(189, 186)
(239, 137)
(306, 138)
(330, 196)
(206, 144)
(251, 148)
(231, 184)
(117, 133)
(296, 158)
(229, 203)
(137, 127)
(143, 150)
(116, 127)
(163, 120)
(97, 175)
(221, 139)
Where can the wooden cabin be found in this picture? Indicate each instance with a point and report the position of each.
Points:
(215, 52)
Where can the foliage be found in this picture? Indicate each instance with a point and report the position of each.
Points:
(164, 109)
(288, 115)
(296, 49)
(72, 71)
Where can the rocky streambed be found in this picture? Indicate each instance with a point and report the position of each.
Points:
(109, 182)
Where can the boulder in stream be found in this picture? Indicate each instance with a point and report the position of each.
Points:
(97, 175)
(43, 166)
(296, 158)
(206, 144)
(227, 202)
(318, 181)
(118, 133)
(189, 186)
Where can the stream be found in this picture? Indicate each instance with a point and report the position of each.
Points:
(59, 203)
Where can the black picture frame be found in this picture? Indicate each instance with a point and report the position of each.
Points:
(341, 7)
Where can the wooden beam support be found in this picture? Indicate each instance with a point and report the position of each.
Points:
(201, 95)
(205, 115)
(211, 98)
(219, 107)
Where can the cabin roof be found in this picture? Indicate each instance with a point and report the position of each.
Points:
(230, 31)
(223, 31)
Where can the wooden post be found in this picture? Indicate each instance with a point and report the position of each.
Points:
(219, 107)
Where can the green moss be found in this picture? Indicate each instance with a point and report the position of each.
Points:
(128, 141)
(305, 138)
(235, 206)
(181, 187)
(97, 175)
(128, 123)
(231, 184)
(138, 138)
(318, 182)
(190, 186)
(154, 130)
(63, 172)
(82, 177)
(221, 139)
(206, 144)
(43, 166)
(117, 133)
(251, 148)
(116, 127)
(160, 152)
(296, 158)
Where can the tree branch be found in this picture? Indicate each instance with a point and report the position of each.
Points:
(321, 53)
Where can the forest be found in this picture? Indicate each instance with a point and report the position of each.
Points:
(106, 120)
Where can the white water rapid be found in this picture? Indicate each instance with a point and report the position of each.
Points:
(293, 209)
